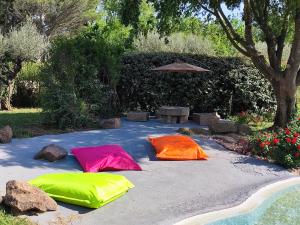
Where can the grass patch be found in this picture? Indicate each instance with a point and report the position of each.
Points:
(24, 122)
(6, 219)
(27, 122)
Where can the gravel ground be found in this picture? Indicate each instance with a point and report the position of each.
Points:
(166, 191)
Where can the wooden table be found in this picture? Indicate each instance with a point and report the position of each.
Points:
(173, 114)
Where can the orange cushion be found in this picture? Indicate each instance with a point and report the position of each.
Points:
(177, 147)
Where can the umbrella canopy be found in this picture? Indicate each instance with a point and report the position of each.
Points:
(180, 67)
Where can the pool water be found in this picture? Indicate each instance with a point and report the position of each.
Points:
(282, 208)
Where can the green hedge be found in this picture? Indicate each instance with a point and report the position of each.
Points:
(232, 85)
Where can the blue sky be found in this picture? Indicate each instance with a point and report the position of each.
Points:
(236, 13)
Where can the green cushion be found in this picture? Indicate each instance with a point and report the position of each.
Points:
(91, 190)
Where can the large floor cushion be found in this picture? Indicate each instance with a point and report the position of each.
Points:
(104, 158)
(91, 190)
(177, 147)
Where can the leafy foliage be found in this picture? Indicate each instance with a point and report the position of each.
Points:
(222, 46)
(177, 42)
(80, 75)
(52, 17)
(25, 43)
(232, 86)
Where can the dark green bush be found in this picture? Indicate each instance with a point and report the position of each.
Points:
(80, 75)
(232, 85)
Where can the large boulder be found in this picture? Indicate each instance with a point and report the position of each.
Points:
(244, 129)
(112, 123)
(51, 153)
(25, 198)
(6, 134)
(223, 126)
(205, 119)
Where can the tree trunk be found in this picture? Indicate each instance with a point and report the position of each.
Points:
(8, 97)
(285, 92)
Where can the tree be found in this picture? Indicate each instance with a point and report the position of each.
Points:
(52, 17)
(79, 79)
(275, 20)
(21, 45)
(26, 24)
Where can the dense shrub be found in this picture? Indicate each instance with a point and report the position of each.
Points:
(80, 75)
(281, 146)
(231, 86)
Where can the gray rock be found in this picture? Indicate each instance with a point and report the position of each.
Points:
(173, 111)
(223, 126)
(205, 119)
(25, 198)
(138, 116)
(173, 114)
(6, 134)
(244, 129)
(51, 153)
(112, 123)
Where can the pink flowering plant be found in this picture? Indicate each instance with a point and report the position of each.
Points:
(281, 146)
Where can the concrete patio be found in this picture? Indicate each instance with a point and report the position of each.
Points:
(166, 191)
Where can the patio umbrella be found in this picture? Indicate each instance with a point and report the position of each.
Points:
(180, 67)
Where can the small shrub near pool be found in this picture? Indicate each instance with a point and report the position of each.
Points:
(281, 146)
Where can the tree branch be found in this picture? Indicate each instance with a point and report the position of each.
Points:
(260, 13)
(294, 58)
(207, 9)
(281, 38)
(230, 27)
(231, 38)
(248, 26)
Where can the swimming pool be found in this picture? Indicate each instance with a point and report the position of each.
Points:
(282, 208)
(275, 204)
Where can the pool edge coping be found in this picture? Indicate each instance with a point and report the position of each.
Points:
(254, 201)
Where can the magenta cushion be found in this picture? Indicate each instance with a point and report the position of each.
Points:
(104, 158)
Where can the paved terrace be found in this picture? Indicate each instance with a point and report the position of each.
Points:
(166, 191)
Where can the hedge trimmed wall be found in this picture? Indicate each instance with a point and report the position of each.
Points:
(232, 85)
